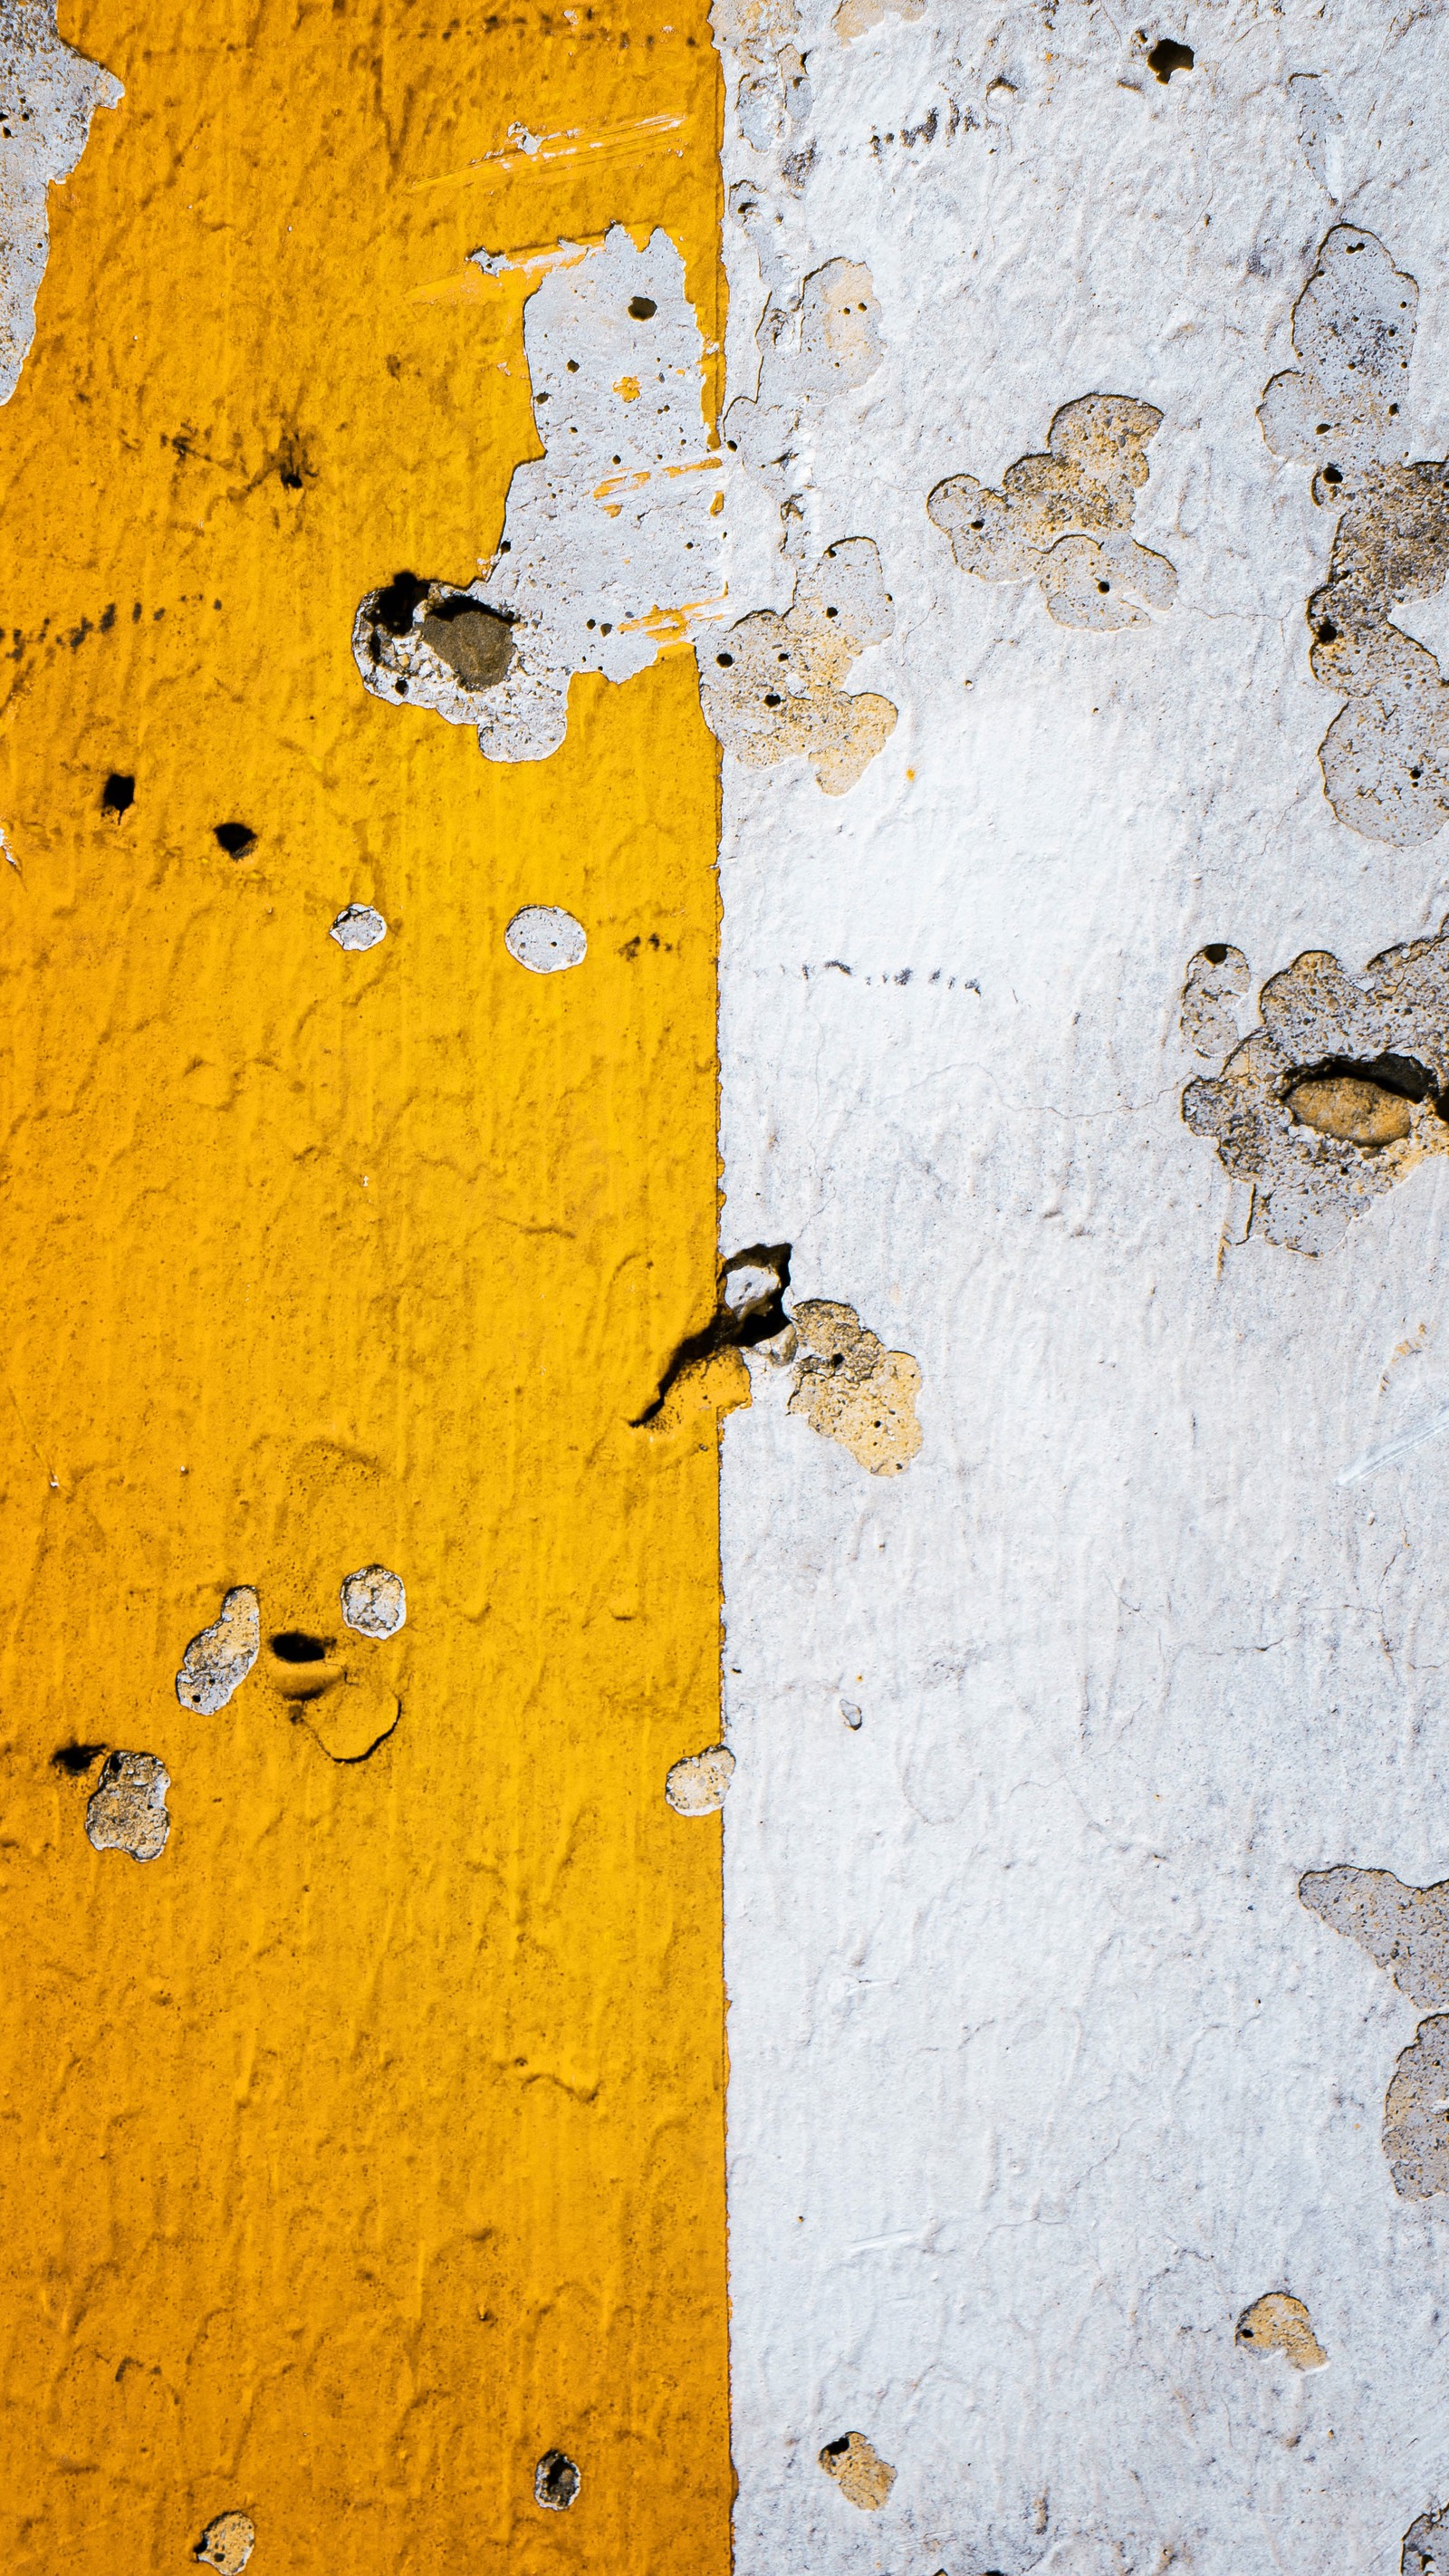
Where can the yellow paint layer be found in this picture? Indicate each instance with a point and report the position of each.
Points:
(368, 2143)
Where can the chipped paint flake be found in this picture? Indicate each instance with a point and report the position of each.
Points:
(374, 1602)
(227, 2543)
(48, 95)
(850, 1388)
(699, 1784)
(609, 550)
(1280, 2323)
(771, 686)
(863, 2477)
(128, 1810)
(545, 939)
(358, 927)
(1066, 517)
(218, 1661)
(556, 2482)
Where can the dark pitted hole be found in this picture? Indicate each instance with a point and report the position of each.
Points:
(1216, 952)
(1168, 56)
(772, 698)
(291, 479)
(399, 603)
(555, 2482)
(836, 2450)
(642, 308)
(294, 1646)
(1400, 1073)
(236, 839)
(119, 793)
(1104, 585)
(725, 660)
(832, 612)
(75, 1758)
(1327, 633)
(1332, 474)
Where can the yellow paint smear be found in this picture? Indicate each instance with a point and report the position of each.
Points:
(630, 141)
(367, 2144)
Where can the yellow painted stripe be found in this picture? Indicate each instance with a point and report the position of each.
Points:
(370, 2142)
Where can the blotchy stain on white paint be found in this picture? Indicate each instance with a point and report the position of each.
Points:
(218, 1661)
(48, 95)
(128, 1810)
(1066, 517)
(1336, 1097)
(610, 548)
(771, 686)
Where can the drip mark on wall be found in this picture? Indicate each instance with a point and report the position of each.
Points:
(1065, 517)
(218, 1661)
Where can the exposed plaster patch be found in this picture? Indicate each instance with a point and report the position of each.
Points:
(374, 1602)
(357, 926)
(556, 2482)
(1217, 977)
(1336, 1097)
(1416, 2126)
(863, 2477)
(1065, 517)
(218, 1660)
(1405, 1930)
(1385, 757)
(128, 1811)
(48, 95)
(1280, 2323)
(545, 940)
(227, 2543)
(771, 686)
(700, 1783)
(850, 1388)
(609, 550)
(771, 87)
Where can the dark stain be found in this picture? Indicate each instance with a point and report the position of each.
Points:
(1168, 56)
(475, 642)
(75, 1758)
(642, 308)
(397, 605)
(294, 1646)
(236, 839)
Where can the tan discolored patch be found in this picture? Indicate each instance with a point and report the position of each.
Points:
(1385, 757)
(1280, 2323)
(771, 686)
(1336, 1097)
(1065, 518)
(699, 1784)
(227, 2543)
(1405, 1930)
(863, 2477)
(128, 1810)
(1217, 977)
(1416, 2114)
(856, 18)
(218, 1661)
(850, 1388)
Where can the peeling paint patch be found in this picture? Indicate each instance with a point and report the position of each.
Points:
(128, 1810)
(227, 2543)
(1416, 2128)
(1280, 2323)
(1385, 757)
(1337, 1096)
(218, 1661)
(699, 1784)
(1065, 518)
(1405, 1930)
(1426, 2545)
(556, 2482)
(863, 2477)
(1217, 977)
(48, 93)
(609, 550)
(357, 926)
(850, 1388)
(771, 687)
(374, 1602)
(546, 940)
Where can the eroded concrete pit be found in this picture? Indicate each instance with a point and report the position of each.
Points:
(773, 687)
(1280, 2323)
(128, 1810)
(863, 2477)
(850, 1388)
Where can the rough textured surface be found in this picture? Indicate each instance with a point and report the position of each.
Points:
(1404, 1929)
(374, 1601)
(217, 1662)
(1065, 518)
(1040, 2073)
(699, 1785)
(771, 686)
(372, 2138)
(863, 2477)
(850, 1388)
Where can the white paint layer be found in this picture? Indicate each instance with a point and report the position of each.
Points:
(1041, 2073)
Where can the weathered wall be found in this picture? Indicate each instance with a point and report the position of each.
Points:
(366, 2143)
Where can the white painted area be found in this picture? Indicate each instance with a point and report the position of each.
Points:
(1040, 2072)
(546, 939)
(48, 95)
